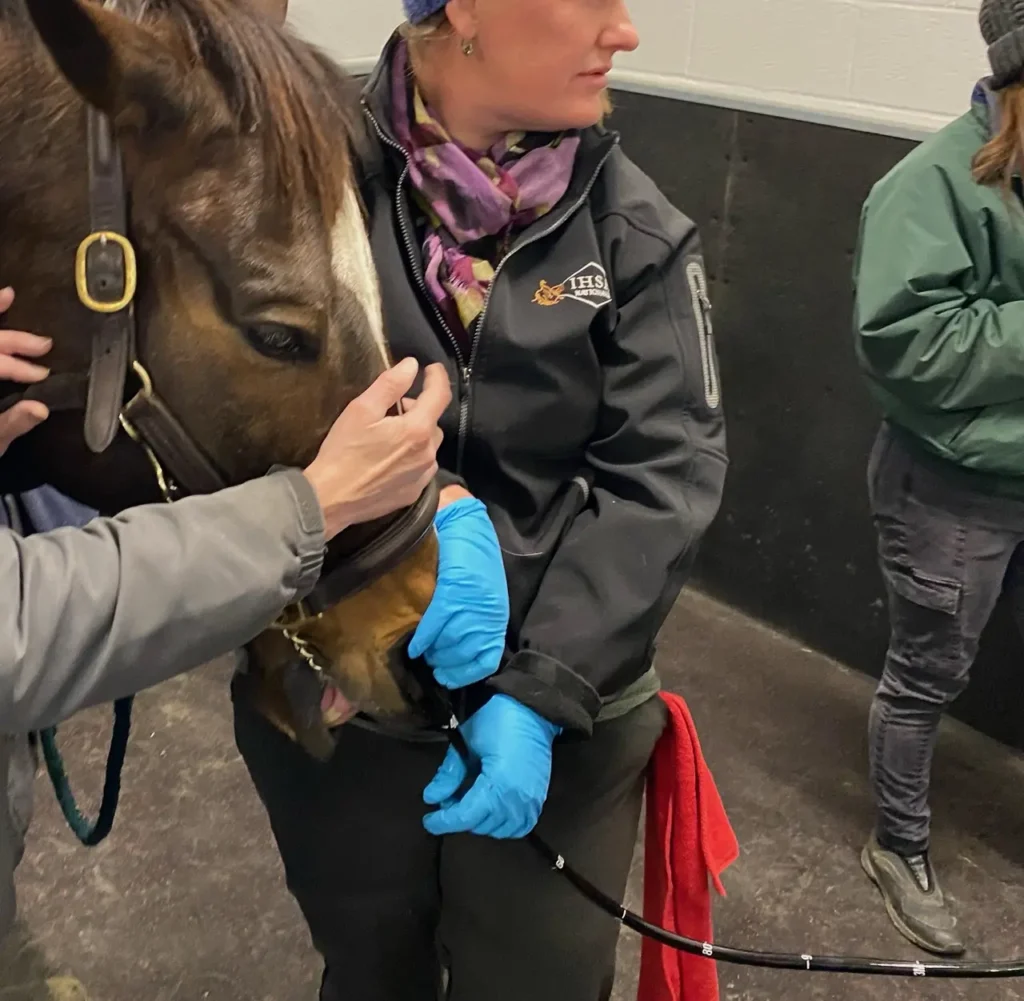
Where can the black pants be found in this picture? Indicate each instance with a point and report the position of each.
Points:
(947, 553)
(390, 906)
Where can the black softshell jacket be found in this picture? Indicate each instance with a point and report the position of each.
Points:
(586, 415)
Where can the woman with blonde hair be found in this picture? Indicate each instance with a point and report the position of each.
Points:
(518, 246)
(940, 336)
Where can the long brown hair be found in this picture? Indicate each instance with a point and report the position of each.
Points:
(1002, 156)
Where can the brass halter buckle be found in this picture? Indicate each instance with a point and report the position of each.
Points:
(131, 273)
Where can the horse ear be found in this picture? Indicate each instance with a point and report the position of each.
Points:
(109, 59)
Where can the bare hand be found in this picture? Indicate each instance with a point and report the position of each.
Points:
(370, 464)
(26, 414)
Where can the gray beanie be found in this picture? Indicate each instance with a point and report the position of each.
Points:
(1002, 27)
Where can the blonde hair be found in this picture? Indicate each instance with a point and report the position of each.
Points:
(437, 28)
(1003, 155)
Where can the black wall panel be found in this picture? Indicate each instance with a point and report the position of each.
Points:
(778, 203)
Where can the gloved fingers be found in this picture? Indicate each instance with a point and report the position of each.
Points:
(446, 780)
(464, 638)
(465, 674)
(460, 656)
(465, 635)
(447, 641)
(514, 822)
(493, 823)
(429, 629)
(467, 814)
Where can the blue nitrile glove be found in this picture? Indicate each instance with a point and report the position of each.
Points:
(513, 745)
(462, 634)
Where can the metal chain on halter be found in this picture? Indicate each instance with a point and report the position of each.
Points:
(289, 623)
(170, 490)
(305, 650)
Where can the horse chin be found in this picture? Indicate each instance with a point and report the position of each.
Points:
(361, 643)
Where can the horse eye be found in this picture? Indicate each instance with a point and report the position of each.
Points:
(278, 340)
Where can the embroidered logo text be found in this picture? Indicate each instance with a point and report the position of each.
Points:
(589, 285)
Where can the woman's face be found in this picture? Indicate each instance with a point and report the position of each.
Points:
(544, 63)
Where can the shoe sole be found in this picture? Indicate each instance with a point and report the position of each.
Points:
(894, 917)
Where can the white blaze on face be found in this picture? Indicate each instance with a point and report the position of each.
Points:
(353, 265)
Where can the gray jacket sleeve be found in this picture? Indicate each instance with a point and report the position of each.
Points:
(89, 615)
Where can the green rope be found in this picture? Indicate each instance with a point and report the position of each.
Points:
(91, 834)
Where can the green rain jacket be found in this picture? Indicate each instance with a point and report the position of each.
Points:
(939, 314)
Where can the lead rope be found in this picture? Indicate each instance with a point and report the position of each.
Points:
(95, 832)
(805, 962)
(91, 833)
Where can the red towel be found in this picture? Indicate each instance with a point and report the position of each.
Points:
(688, 837)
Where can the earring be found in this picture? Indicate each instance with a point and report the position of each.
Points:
(467, 47)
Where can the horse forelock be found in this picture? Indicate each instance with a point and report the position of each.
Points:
(278, 87)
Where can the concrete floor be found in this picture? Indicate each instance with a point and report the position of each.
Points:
(185, 901)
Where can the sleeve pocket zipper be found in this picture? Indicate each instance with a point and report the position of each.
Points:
(702, 314)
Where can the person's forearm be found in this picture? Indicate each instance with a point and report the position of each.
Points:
(92, 614)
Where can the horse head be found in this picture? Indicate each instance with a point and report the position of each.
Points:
(256, 314)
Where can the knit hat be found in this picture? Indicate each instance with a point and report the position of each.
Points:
(1002, 27)
(420, 10)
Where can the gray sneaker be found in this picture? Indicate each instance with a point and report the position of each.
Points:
(913, 898)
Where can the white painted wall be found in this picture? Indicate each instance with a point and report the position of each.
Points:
(352, 31)
(900, 66)
(904, 67)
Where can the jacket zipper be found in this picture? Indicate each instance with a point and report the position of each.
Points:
(410, 249)
(407, 237)
(562, 219)
(466, 368)
(702, 314)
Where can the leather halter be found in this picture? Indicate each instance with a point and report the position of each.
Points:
(106, 280)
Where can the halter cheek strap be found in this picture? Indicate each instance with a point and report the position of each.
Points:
(106, 278)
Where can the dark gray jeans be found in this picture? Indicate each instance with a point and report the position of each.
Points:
(946, 552)
(390, 907)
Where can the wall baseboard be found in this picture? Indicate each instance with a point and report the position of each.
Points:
(901, 123)
(362, 66)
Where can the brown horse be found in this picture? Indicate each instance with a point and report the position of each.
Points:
(257, 312)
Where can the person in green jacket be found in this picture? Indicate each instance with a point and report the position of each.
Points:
(939, 325)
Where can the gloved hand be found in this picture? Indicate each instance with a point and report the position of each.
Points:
(513, 744)
(462, 634)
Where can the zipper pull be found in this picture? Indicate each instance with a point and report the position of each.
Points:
(705, 304)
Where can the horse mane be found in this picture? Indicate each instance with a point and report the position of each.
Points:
(277, 86)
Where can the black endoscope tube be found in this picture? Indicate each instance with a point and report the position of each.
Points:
(440, 707)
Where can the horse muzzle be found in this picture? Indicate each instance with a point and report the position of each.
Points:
(314, 672)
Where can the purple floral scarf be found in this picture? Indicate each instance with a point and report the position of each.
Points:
(475, 203)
